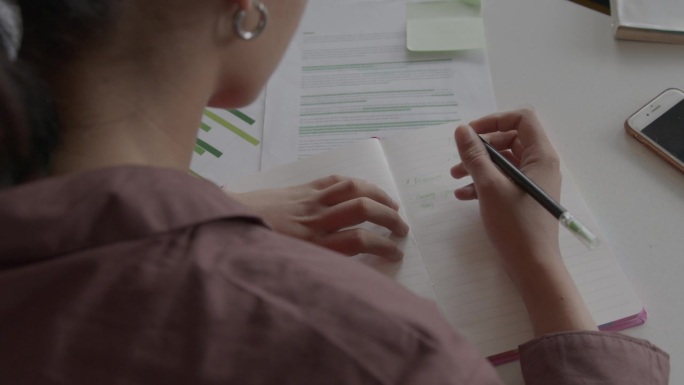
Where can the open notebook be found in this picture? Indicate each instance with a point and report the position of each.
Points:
(448, 257)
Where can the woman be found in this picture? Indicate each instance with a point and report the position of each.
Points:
(118, 267)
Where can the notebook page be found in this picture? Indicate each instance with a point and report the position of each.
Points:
(364, 160)
(473, 291)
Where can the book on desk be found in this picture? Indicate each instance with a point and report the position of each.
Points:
(648, 20)
(448, 256)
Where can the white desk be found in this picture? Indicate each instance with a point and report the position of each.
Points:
(561, 58)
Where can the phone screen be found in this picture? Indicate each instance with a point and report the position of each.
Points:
(668, 131)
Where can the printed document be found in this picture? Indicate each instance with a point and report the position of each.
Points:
(349, 76)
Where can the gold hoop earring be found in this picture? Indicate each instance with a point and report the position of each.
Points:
(239, 17)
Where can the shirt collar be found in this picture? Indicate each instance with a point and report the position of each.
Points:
(74, 212)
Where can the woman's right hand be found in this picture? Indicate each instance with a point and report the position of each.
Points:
(519, 227)
(522, 231)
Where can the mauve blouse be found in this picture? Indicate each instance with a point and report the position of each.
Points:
(136, 275)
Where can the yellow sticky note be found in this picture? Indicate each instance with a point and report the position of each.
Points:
(444, 26)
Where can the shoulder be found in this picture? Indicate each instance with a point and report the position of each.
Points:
(319, 302)
(224, 300)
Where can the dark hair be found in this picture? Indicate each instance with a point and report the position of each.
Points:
(53, 31)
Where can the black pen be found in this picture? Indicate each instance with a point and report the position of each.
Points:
(553, 207)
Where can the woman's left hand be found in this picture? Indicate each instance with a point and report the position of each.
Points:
(322, 211)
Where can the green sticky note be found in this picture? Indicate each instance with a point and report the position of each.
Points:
(444, 26)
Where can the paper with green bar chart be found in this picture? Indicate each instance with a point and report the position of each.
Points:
(229, 143)
(357, 80)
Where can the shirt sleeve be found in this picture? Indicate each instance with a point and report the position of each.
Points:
(588, 358)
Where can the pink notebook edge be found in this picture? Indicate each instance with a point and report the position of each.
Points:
(614, 326)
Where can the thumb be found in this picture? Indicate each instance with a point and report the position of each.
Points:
(474, 156)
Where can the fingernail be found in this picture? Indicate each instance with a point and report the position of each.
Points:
(398, 255)
(406, 230)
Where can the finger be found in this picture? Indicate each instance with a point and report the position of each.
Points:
(466, 193)
(510, 157)
(352, 188)
(356, 241)
(459, 171)
(359, 210)
(475, 157)
(501, 140)
(517, 148)
(325, 182)
(507, 143)
(525, 122)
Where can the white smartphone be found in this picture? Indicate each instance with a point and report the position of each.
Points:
(660, 126)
